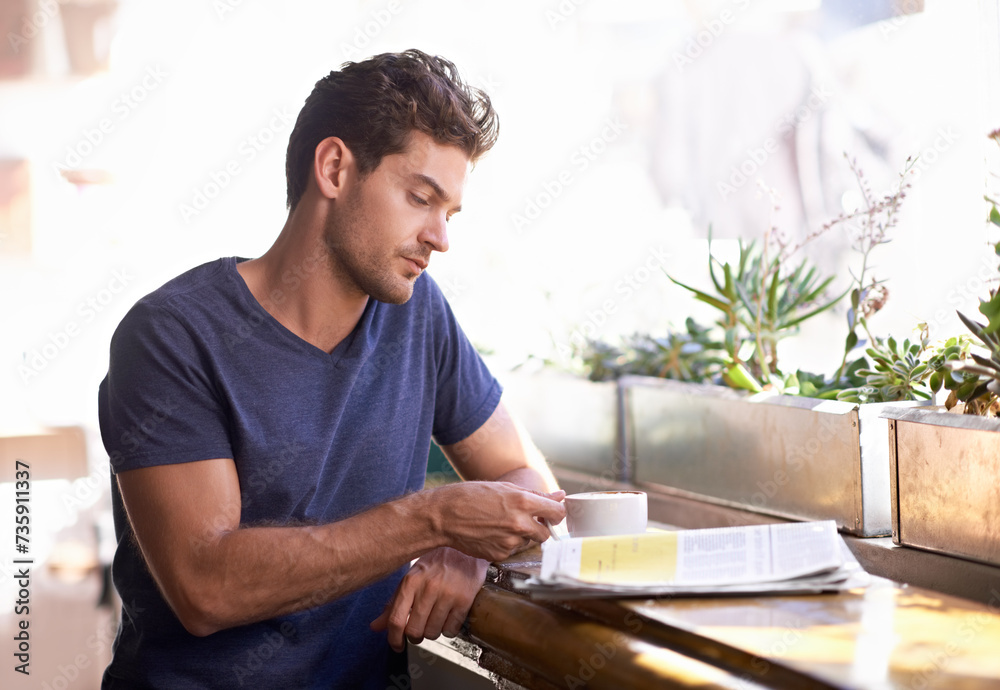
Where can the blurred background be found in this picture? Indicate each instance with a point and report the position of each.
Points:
(139, 139)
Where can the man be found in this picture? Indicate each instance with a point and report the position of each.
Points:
(268, 420)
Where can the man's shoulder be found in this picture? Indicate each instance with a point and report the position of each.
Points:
(194, 295)
(206, 276)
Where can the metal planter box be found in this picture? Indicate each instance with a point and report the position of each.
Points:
(788, 456)
(573, 421)
(945, 482)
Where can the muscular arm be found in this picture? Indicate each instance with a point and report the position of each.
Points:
(438, 591)
(501, 450)
(216, 575)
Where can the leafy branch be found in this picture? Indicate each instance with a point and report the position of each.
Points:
(876, 217)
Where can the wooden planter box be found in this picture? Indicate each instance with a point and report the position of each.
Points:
(788, 456)
(945, 482)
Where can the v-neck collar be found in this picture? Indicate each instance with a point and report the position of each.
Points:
(357, 343)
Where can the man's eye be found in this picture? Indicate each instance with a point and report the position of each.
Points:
(419, 200)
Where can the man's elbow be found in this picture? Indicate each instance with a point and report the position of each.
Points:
(198, 609)
(200, 626)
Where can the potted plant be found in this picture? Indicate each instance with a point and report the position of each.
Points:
(944, 466)
(723, 421)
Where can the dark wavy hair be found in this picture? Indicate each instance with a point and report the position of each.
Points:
(374, 105)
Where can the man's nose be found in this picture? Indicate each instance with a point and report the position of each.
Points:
(436, 233)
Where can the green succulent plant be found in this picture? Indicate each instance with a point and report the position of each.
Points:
(762, 301)
(978, 383)
(689, 355)
(904, 371)
(764, 297)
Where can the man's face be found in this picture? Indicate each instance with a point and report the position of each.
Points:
(384, 227)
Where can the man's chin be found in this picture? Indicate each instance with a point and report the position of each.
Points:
(397, 294)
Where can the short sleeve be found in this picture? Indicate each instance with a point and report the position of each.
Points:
(158, 404)
(467, 393)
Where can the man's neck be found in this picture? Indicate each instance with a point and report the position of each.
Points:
(297, 284)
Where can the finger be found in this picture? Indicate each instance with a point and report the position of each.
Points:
(547, 508)
(380, 623)
(556, 495)
(398, 615)
(525, 544)
(420, 612)
(438, 617)
(539, 532)
(453, 624)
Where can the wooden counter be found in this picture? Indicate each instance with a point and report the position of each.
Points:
(884, 636)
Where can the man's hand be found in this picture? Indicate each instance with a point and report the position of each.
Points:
(433, 598)
(488, 519)
(493, 520)
(497, 511)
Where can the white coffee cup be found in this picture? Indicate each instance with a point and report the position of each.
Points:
(604, 513)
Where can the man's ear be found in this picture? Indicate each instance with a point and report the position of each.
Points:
(332, 165)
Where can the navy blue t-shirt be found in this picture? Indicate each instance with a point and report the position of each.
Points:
(200, 370)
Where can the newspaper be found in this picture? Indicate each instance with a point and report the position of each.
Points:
(799, 557)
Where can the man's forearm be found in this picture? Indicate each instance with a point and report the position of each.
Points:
(390, 528)
(252, 574)
(215, 574)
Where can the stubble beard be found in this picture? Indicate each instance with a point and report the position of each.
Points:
(353, 264)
